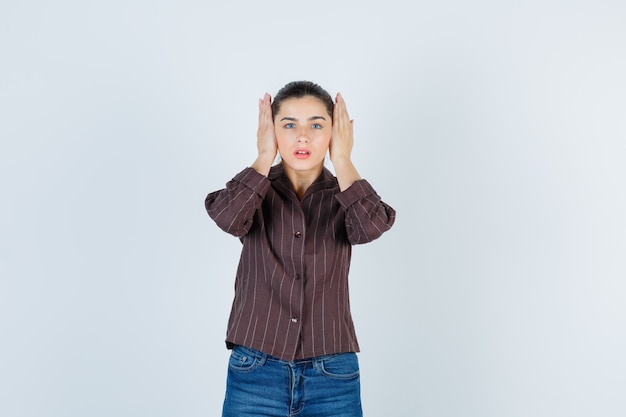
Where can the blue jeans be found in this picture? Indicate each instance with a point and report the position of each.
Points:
(262, 385)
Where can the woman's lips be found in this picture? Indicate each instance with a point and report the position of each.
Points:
(302, 153)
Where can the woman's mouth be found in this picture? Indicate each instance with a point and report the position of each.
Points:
(302, 153)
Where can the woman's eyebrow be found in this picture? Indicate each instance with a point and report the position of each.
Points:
(293, 119)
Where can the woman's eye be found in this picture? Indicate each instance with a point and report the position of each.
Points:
(317, 126)
(289, 126)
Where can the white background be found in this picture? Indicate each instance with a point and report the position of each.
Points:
(496, 129)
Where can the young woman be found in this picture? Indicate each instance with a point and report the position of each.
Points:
(290, 329)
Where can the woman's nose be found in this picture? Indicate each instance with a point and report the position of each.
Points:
(302, 138)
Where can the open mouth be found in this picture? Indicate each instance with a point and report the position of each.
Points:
(302, 153)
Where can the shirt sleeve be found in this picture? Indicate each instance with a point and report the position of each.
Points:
(367, 216)
(233, 207)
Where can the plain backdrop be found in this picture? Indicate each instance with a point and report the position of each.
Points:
(495, 129)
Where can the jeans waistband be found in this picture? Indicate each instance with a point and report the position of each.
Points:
(263, 357)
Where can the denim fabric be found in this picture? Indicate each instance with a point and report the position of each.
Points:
(262, 385)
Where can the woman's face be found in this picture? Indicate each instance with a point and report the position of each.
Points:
(303, 130)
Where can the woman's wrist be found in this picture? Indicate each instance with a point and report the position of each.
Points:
(264, 162)
(345, 171)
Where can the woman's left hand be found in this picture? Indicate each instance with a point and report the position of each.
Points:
(342, 134)
(341, 145)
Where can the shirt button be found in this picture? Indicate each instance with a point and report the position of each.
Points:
(294, 319)
(298, 234)
(297, 277)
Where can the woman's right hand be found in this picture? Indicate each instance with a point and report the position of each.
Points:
(266, 137)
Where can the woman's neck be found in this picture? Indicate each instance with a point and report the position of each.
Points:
(302, 180)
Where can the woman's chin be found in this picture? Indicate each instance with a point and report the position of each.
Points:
(307, 164)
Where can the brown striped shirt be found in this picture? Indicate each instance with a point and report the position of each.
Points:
(291, 289)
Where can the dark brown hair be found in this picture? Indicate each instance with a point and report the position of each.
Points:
(299, 89)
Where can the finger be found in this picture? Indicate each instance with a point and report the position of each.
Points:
(340, 99)
(341, 106)
(265, 100)
(265, 103)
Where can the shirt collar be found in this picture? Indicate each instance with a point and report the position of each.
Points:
(324, 181)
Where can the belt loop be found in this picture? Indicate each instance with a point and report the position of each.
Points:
(262, 358)
(316, 362)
